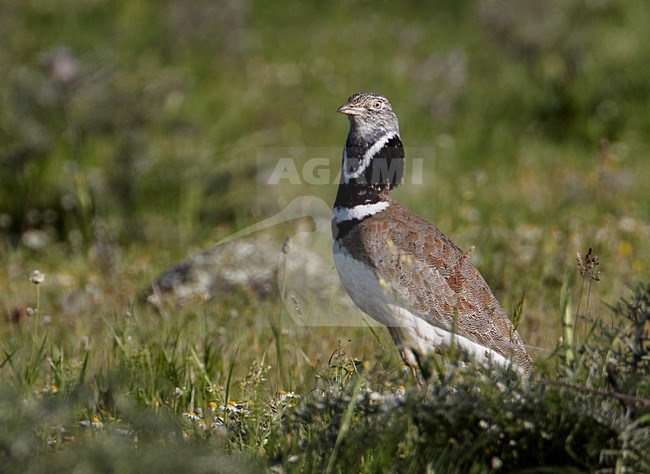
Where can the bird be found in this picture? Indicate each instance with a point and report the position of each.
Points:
(401, 270)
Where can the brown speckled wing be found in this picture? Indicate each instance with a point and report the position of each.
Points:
(423, 267)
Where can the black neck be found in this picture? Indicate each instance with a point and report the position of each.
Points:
(383, 173)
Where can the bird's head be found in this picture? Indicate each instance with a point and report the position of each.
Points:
(370, 114)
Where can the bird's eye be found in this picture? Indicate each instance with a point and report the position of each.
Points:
(378, 105)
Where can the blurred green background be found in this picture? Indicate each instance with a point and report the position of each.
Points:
(140, 123)
(130, 132)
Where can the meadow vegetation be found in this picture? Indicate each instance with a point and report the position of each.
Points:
(134, 132)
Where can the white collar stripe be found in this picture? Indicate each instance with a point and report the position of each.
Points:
(367, 156)
(359, 212)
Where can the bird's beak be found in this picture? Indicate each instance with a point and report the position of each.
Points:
(348, 109)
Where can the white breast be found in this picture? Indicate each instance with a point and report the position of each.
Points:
(362, 284)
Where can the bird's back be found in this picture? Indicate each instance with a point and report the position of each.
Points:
(435, 280)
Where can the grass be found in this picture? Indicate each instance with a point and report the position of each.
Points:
(532, 125)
